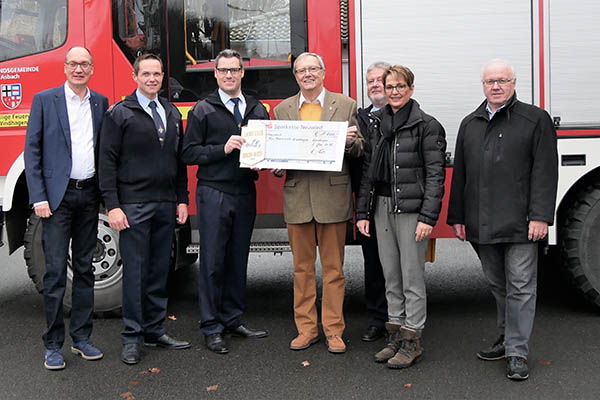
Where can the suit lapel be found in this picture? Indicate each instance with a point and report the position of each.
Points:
(329, 107)
(293, 110)
(96, 115)
(61, 109)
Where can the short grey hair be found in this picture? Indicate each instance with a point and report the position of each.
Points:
(376, 65)
(306, 54)
(228, 53)
(499, 61)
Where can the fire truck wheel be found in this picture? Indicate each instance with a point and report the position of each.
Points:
(106, 264)
(580, 242)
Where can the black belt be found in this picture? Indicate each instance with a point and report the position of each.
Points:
(81, 183)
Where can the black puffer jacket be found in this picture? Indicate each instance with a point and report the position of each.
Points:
(418, 173)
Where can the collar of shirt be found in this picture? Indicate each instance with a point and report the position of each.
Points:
(70, 95)
(373, 109)
(490, 112)
(320, 99)
(145, 104)
(144, 101)
(230, 105)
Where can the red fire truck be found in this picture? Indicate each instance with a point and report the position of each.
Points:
(553, 44)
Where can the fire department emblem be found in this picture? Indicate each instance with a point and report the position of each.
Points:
(11, 95)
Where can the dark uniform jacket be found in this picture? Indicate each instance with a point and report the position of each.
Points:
(209, 125)
(418, 166)
(505, 173)
(134, 168)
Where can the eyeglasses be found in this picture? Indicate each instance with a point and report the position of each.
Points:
(501, 82)
(72, 65)
(225, 71)
(399, 87)
(312, 70)
(373, 81)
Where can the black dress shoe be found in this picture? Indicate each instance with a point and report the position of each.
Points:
(244, 331)
(373, 333)
(215, 343)
(130, 353)
(167, 342)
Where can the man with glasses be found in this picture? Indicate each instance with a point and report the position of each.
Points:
(144, 186)
(226, 199)
(374, 280)
(502, 201)
(317, 206)
(60, 167)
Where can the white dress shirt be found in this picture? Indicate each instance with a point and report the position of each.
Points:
(82, 134)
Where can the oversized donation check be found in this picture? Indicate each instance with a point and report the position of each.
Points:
(308, 145)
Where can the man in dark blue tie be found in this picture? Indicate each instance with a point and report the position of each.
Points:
(144, 185)
(226, 199)
(60, 166)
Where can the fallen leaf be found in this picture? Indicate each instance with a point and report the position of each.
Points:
(128, 396)
(212, 388)
(134, 382)
(154, 370)
(544, 362)
(172, 317)
(305, 363)
(408, 385)
(143, 372)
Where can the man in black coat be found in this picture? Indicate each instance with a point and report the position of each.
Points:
(374, 280)
(144, 185)
(226, 200)
(502, 200)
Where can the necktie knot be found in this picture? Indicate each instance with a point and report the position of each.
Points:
(152, 105)
(236, 100)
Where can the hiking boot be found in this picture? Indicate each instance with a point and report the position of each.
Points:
(410, 351)
(393, 344)
(495, 352)
(516, 368)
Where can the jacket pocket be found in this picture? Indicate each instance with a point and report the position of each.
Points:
(339, 180)
(420, 181)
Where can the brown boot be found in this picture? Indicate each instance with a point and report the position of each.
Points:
(393, 344)
(410, 352)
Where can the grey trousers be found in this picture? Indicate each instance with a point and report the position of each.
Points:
(511, 270)
(403, 262)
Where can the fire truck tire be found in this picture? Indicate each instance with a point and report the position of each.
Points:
(579, 238)
(107, 265)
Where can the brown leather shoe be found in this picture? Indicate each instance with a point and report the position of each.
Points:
(335, 344)
(302, 342)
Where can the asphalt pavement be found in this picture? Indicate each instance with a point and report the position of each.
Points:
(564, 350)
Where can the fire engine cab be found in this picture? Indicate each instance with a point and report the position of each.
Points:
(554, 46)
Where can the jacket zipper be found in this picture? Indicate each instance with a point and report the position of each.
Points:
(395, 187)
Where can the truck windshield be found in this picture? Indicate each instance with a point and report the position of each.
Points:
(30, 26)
